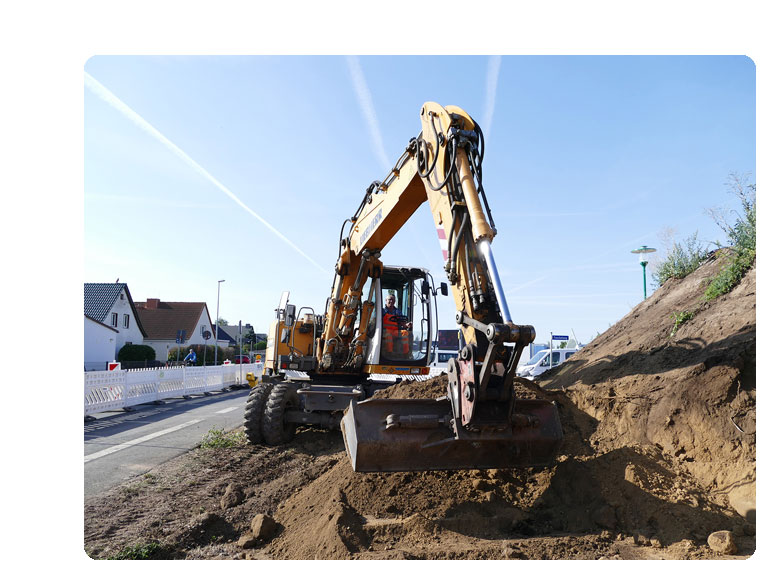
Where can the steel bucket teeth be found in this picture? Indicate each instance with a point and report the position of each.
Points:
(392, 435)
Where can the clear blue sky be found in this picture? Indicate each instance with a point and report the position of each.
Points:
(244, 168)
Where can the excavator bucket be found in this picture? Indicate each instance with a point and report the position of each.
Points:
(392, 435)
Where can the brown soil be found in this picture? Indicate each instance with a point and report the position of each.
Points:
(659, 451)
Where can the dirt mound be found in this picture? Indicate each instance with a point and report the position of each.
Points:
(634, 490)
(410, 389)
(692, 394)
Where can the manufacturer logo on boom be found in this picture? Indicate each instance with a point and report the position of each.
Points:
(370, 228)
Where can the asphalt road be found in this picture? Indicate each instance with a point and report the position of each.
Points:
(121, 445)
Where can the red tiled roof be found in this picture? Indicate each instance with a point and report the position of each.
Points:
(168, 317)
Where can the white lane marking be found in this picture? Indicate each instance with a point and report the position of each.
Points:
(227, 409)
(115, 448)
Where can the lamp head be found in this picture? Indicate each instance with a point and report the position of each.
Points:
(643, 253)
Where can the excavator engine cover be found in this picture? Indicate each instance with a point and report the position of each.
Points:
(393, 435)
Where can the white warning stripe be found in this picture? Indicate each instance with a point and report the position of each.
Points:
(134, 442)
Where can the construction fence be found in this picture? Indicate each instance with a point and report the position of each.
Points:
(117, 389)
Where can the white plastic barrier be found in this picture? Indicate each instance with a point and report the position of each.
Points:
(117, 389)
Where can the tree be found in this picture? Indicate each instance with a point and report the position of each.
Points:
(222, 322)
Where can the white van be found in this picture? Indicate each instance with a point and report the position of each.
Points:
(541, 362)
(446, 347)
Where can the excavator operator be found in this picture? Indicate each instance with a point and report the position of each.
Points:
(396, 329)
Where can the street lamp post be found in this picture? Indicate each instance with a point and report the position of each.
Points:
(216, 334)
(643, 252)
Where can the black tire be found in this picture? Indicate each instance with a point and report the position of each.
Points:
(284, 396)
(254, 411)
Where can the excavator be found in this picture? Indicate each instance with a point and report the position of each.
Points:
(379, 320)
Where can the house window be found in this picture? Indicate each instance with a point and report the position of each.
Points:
(114, 319)
(126, 321)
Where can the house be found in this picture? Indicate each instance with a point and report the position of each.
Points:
(99, 344)
(224, 339)
(235, 333)
(110, 322)
(162, 320)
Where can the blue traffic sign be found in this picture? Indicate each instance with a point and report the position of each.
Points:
(560, 337)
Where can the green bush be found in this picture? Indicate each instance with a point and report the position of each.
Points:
(131, 353)
(681, 260)
(742, 238)
(730, 275)
(182, 352)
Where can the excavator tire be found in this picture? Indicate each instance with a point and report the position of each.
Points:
(254, 412)
(284, 396)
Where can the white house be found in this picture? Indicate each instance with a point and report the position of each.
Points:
(99, 344)
(162, 321)
(108, 305)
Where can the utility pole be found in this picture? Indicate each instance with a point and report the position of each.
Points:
(216, 333)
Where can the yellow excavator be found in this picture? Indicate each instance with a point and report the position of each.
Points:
(379, 322)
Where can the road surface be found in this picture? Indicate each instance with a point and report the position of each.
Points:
(121, 445)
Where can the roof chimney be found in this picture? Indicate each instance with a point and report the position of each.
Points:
(152, 303)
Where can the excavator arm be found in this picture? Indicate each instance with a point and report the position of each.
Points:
(480, 421)
(443, 167)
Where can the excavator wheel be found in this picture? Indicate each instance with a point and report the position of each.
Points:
(283, 396)
(254, 412)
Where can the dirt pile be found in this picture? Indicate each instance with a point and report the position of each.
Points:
(634, 490)
(692, 394)
(658, 453)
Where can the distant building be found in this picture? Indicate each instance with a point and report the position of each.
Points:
(234, 332)
(224, 339)
(164, 319)
(110, 322)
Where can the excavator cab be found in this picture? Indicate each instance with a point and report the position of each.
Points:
(402, 327)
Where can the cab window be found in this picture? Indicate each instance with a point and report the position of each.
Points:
(404, 321)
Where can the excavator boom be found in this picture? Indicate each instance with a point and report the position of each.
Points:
(480, 424)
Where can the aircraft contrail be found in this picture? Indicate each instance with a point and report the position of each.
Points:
(96, 87)
(494, 64)
(367, 106)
